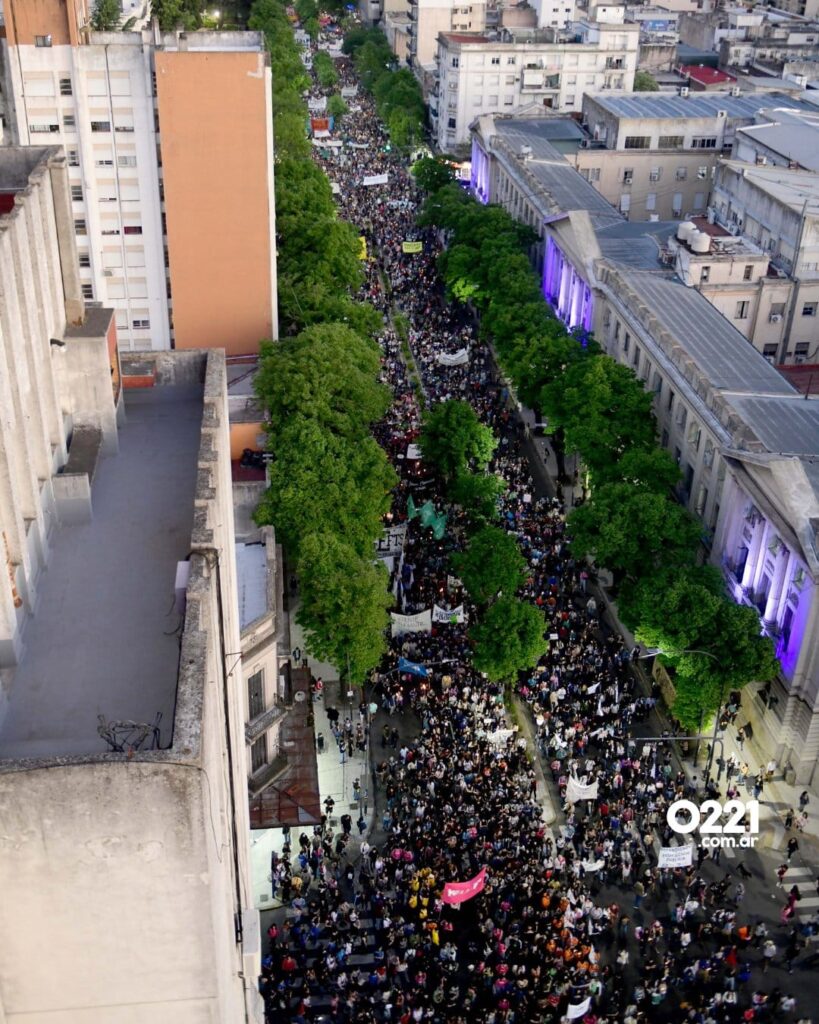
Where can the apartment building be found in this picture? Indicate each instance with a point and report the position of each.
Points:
(517, 69)
(745, 440)
(429, 18)
(122, 775)
(779, 40)
(654, 156)
(129, 107)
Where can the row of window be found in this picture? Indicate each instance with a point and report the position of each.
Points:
(656, 173)
(81, 228)
(69, 124)
(651, 202)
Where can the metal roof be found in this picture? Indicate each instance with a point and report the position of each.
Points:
(635, 243)
(660, 105)
(786, 426)
(725, 356)
(798, 140)
(565, 186)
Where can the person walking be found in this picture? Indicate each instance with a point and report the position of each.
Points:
(804, 799)
(741, 737)
(793, 846)
(768, 954)
(781, 871)
(639, 894)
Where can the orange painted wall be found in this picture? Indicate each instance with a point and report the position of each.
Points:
(244, 435)
(214, 130)
(59, 19)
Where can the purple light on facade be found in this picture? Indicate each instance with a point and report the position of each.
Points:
(479, 177)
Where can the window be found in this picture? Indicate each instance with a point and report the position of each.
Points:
(801, 349)
(451, 122)
(511, 60)
(478, 101)
(664, 439)
(76, 193)
(678, 455)
(84, 259)
(65, 86)
(682, 417)
(132, 229)
(43, 128)
(42, 40)
(493, 101)
(702, 173)
(79, 226)
(636, 359)
(699, 200)
(657, 384)
(100, 126)
(455, 62)
(809, 309)
(651, 201)
(704, 142)
(510, 79)
(655, 174)
(508, 101)
(769, 351)
(495, 60)
(702, 500)
(671, 396)
(681, 173)
(626, 343)
(88, 291)
(638, 142)
(705, 274)
(258, 754)
(695, 435)
(73, 158)
(570, 100)
(670, 142)
(594, 174)
(625, 202)
(676, 204)
(69, 122)
(126, 161)
(255, 694)
(628, 175)
(742, 310)
(141, 325)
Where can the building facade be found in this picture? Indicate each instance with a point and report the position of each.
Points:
(516, 70)
(138, 194)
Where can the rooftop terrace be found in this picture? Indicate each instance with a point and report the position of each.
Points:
(104, 638)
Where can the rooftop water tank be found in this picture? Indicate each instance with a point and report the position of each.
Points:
(685, 229)
(700, 241)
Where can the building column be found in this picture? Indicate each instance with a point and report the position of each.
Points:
(754, 561)
(783, 568)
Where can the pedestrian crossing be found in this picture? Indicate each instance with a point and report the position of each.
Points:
(808, 905)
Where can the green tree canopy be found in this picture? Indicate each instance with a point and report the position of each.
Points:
(650, 468)
(328, 372)
(644, 82)
(106, 15)
(492, 564)
(319, 478)
(344, 602)
(336, 107)
(432, 173)
(454, 440)
(602, 408)
(632, 530)
(508, 638)
(325, 70)
(478, 494)
(173, 14)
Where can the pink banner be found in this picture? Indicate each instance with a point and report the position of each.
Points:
(459, 892)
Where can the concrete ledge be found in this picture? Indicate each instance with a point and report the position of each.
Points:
(72, 497)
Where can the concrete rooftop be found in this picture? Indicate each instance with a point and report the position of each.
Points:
(103, 639)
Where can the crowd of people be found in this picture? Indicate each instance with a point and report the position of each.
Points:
(543, 940)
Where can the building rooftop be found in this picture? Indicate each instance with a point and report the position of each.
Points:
(797, 189)
(105, 637)
(17, 163)
(706, 75)
(718, 348)
(794, 138)
(785, 425)
(660, 105)
(251, 580)
(566, 187)
(635, 243)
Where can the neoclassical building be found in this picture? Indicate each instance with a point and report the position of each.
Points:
(746, 441)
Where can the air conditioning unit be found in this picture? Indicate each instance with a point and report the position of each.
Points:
(722, 113)
(585, 143)
(734, 229)
(775, 318)
(108, 273)
(799, 360)
(684, 90)
(736, 91)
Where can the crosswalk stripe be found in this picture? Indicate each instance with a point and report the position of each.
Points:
(809, 901)
(794, 872)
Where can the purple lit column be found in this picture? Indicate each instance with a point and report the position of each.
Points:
(479, 181)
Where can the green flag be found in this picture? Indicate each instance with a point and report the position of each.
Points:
(439, 526)
(412, 511)
(427, 514)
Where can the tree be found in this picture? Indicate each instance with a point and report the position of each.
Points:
(633, 530)
(644, 82)
(336, 107)
(321, 481)
(325, 70)
(432, 174)
(478, 494)
(327, 372)
(651, 468)
(508, 638)
(106, 15)
(603, 409)
(454, 440)
(173, 14)
(344, 602)
(492, 564)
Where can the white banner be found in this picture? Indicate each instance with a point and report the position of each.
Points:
(414, 451)
(440, 614)
(577, 790)
(453, 358)
(317, 104)
(348, 92)
(576, 1010)
(392, 541)
(375, 179)
(388, 561)
(499, 736)
(676, 856)
(358, 145)
(421, 622)
(452, 583)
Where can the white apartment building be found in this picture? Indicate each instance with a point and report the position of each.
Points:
(516, 70)
(96, 94)
(428, 18)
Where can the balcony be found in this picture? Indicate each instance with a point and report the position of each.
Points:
(261, 723)
(262, 779)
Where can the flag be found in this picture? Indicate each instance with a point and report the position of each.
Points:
(412, 511)
(439, 526)
(412, 668)
(459, 892)
(362, 247)
(578, 1009)
(427, 513)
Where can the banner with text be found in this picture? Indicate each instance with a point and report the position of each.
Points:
(577, 790)
(375, 179)
(459, 892)
(421, 622)
(453, 358)
(451, 615)
(411, 247)
(676, 856)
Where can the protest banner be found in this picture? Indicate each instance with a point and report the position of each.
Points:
(459, 892)
(375, 179)
(421, 622)
(411, 247)
(676, 856)
(451, 615)
(577, 790)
